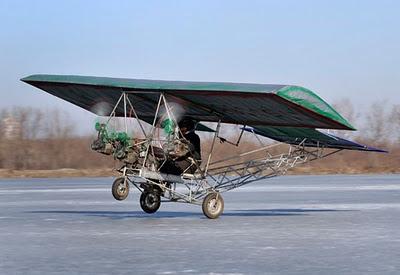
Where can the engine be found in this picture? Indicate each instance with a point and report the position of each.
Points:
(117, 144)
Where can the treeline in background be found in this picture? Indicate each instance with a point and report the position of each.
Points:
(34, 139)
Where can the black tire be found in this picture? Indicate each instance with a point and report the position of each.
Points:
(150, 201)
(120, 189)
(213, 205)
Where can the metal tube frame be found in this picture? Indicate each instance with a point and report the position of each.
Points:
(218, 176)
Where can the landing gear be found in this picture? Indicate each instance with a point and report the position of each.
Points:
(213, 205)
(120, 189)
(150, 201)
(150, 198)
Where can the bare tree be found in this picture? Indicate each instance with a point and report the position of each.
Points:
(377, 119)
(30, 121)
(346, 109)
(58, 125)
(395, 122)
(46, 140)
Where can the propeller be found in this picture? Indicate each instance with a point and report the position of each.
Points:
(101, 108)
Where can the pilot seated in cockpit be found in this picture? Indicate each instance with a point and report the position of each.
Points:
(190, 157)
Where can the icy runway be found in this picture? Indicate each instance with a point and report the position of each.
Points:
(287, 225)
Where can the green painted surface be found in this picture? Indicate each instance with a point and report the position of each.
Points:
(168, 125)
(203, 128)
(311, 101)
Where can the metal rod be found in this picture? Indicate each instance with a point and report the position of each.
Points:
(247, 153)
(115, 107)
(240, 136)
(212, 146)
(233, 143)
(167, 108)
(257, 137)
(135, 114)
(171, 116)
(125, 119)
(150, 137)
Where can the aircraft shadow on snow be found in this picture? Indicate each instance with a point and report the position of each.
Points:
(172, 214)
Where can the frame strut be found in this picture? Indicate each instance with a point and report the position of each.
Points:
(125, 114)
(136, 116)
(212, 146)
(112, 114)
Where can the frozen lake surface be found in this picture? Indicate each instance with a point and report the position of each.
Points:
(288, 225)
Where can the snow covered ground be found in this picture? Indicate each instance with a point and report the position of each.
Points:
(288, 225)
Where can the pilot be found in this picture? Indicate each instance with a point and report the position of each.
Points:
(188, 161)
(187, 128)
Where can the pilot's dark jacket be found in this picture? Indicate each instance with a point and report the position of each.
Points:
(182, 164)
(194, 144)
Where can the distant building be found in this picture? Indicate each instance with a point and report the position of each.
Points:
(11, 128)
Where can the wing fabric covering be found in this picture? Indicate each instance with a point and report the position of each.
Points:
(308, 137)
(236, 103)
(285, 113)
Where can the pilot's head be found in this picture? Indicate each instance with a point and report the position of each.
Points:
(186, 125)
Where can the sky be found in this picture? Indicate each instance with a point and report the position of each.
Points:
(338, 49)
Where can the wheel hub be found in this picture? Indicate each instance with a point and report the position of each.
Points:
(213, 205)
(151, 199)
(121, 189)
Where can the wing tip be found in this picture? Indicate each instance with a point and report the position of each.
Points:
(29, 78)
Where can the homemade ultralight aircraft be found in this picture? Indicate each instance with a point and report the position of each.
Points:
(288, 114)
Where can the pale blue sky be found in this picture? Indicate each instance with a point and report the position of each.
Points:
(336, 48)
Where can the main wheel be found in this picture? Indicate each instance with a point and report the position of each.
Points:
(150, 201)
(120, 189)
(213, 205)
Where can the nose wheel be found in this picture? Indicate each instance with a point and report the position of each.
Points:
(213, 205)
(120, 189)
